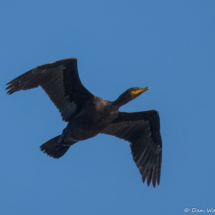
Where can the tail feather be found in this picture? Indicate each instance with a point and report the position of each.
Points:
(53, 148)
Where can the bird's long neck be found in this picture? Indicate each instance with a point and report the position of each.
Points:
(120, 101)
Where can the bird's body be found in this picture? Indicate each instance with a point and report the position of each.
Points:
(91, 120)
(88, 115)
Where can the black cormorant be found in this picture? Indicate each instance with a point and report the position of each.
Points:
(88, 115)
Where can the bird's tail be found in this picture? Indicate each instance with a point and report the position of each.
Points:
(54, 147)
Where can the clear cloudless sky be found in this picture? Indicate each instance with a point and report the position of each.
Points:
(166, 45)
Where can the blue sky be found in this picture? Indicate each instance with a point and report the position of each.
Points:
(166, 45)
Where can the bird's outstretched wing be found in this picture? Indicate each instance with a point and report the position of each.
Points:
(142, 130)
(61, 82)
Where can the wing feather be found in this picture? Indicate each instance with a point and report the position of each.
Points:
(60, 80)
(142, 130)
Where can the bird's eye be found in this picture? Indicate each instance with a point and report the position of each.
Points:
(135, 88)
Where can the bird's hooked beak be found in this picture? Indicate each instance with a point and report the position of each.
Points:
(138, 92)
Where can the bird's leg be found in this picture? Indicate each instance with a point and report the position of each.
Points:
(61, 139)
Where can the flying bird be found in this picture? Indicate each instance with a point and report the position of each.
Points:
(88, 115)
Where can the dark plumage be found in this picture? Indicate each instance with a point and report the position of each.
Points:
(88, 115)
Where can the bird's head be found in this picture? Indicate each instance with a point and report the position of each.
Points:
(129, 95)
